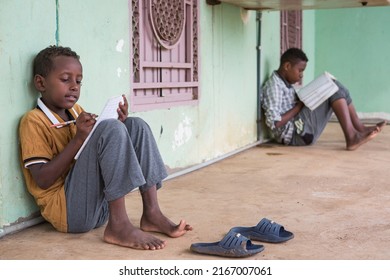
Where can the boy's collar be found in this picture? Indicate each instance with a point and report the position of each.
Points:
(284, 80)
(49, 114)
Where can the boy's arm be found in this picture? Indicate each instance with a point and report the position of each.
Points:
(289, 114)
(45, 174)
(274, 92)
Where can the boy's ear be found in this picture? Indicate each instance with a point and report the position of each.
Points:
(39, 83)
(287, 66)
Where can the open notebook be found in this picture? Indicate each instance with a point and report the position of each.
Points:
(109, 112)
(318, 90)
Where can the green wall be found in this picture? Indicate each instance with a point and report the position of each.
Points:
(308, 43)
(353, 45)
(223, 122)
(20, 38)
(270, 43)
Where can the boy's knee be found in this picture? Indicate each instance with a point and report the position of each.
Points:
(343, 92)
(136, 123)
(111, 126)
(110, 123)
(111, 129)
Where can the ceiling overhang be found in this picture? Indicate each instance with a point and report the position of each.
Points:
(278, 5)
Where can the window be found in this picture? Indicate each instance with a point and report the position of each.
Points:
(291, 30)
(165, 53)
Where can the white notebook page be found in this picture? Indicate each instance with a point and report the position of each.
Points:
(109, 112)
(317, 91)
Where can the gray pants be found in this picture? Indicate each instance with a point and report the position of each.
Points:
(309, 125)
(118, 158)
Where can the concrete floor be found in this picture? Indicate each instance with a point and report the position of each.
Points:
(336, 202)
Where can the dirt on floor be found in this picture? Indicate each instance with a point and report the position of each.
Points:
(336, 203)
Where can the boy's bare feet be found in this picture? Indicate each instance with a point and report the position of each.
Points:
(360, 139)
(129, 236)
(157, 222)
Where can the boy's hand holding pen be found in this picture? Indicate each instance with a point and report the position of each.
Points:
(63, 123)
(86, 118)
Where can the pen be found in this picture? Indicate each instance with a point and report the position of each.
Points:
(63, 123)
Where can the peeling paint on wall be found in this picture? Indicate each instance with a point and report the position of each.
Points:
(245, 15)
(119, 72)
(183, 133)
(119, 45)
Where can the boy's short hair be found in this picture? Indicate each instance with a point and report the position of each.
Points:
(43, 62)
(293, 55)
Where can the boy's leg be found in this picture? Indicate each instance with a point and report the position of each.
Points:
(358, 125)
(146, 150)
(353, 138)
(120, 231)
(153, 220)
(315, 121)
(340, 108)
(115, 164)
(106, 170)
(309, 125)
(96, 187)
(154, 171)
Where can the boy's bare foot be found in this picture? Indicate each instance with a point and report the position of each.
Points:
(127, 235)
(157, 222)
(369, 129)
(360, 140)
(378, 127)
(381, 125)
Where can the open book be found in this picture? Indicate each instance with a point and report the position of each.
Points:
(318, 90)
(109, 112)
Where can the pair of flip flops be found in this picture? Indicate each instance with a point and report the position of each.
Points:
(237, 242)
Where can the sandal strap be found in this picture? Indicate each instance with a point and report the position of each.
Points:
(267, 226)
(233, 239)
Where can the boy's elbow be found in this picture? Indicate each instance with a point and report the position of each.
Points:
(278, 124)
(44, 184)
(43, 181)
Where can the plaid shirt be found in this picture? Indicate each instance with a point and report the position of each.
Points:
(278, 98)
